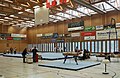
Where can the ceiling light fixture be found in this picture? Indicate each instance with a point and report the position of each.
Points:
(17, 8)
(33, 1)
(2, 14)
(2, 5)
(36, 6)
(1, 19)
(27, 9)
(38, 1)
(20, 12)
(28, 3)
(24, 5)
(9, 1)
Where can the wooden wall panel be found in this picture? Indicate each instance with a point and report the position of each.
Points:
(3, 28)
(96, 20)
(87, 21)
(6, 44)
(110, 15)
(61, 27)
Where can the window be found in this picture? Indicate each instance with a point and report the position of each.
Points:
(93, 47)
(108, 44)
(99, 49)
(73, 46)
(88, 45)
(96, 46)
(83, 47)
(79, 45)
(103, 46)
(112, 46)
(116, 45)
(44, 46)
(70, 45)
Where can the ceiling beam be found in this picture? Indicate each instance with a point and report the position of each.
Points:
(58, 15)
(88, 5)
(65, 13)
(61, 16)
(13, 11)
(78, 11)
(55, 18)
(112, 6)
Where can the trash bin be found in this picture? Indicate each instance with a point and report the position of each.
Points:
(36, 58)
(29, 59)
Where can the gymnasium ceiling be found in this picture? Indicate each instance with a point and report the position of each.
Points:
(21, 12)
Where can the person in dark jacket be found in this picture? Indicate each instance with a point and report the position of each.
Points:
(24, 54)
(34, 50)
(11, 50)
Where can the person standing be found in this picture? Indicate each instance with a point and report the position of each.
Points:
(24, 54)
(34, 50)
(15, 50)
(11, 50)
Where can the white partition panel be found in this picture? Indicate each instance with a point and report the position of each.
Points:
(100, 46)
(112, 46)
(88, 45)
(73, 46)
(29, 46)
(116, 45)
(104, 46)
(108, 44)
(38, 47)
(45, 46)
(93, 47)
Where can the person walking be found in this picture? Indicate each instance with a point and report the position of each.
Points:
(24, 54)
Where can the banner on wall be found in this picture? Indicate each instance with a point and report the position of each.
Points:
(61, 35)
(23, 35)
(109, 26)
(89, 38)
(108, 34)
(53, 40)
(76, 28)
(118, 33)
(100, 27)
(117, 25)
(16, 38)
(39, 35)
(18, 35)
(15, 35)
(77, 34)
(90, 28)
(92, 33)
(5, 35)
(9, 38)
(3, 38)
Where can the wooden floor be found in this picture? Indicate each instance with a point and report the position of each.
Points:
(14, 68)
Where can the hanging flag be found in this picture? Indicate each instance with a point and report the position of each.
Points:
(51, 3)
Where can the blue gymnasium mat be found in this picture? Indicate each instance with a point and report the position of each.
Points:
(70, 65)
(45, 56)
